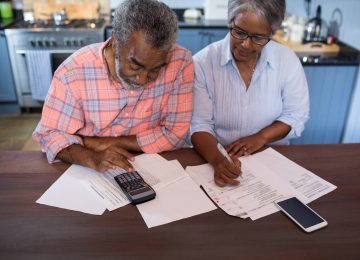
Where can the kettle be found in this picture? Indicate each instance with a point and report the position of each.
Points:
(60, 18)
(316, 29)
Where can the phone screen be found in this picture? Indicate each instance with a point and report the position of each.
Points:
(300, 212)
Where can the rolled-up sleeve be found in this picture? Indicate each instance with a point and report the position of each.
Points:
(177, 111)
(295, 97)
(61, 118)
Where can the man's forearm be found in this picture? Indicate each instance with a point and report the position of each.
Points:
(77, 154)
(128, 143)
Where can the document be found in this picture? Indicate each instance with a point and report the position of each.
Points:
(261, 185)
(104, 186)
(156, 170)
(177, 200)
(86, 190)
(67, 192)
(302, 180)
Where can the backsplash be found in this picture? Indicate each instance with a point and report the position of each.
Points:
(104, 4)
(181, 4)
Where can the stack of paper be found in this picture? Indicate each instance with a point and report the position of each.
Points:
(267, 176)
(86, 190)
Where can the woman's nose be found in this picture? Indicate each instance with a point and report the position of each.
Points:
(246, 43)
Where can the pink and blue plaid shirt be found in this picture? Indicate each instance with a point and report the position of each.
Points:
(83, 100)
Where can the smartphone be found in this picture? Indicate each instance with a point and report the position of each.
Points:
(301, 214)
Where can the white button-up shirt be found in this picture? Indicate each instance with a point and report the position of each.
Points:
(224, 107)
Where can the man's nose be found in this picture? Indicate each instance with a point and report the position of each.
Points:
(142, 77)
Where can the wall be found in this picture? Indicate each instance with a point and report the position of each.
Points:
(349, 32)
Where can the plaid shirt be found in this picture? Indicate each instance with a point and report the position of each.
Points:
(83, 100)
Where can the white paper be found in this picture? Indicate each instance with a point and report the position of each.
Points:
(267, 176)
(178, 200)
(68, 194)
(156, 170)
(104, 186)
(86, 190)
(252, 196)
(302, 180)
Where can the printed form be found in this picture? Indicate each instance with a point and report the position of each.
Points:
(261, 185)
(86, 190)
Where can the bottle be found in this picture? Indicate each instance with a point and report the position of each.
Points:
(18, 8)
(6, 11)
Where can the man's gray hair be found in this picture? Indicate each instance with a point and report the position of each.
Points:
(155, 19)
(272, 11)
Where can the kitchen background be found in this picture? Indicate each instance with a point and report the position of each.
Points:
(334, 83)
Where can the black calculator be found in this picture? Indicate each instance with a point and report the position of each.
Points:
(134, 187)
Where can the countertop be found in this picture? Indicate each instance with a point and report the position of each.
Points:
(347, 56)
(316, 53)
(6, 22)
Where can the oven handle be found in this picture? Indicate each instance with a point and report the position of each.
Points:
(51, 51)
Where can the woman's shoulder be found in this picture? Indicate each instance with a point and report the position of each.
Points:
(281, 51)
(211, 52)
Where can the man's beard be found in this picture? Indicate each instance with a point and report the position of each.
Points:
(126, 82)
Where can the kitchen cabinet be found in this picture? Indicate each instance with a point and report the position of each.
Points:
(330, 89)
(196, 39)
(193, 39)
(8, 100)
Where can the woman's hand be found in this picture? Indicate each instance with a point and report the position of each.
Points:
(226, 172)
(246, 145)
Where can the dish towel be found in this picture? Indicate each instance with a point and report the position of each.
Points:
(40, 72)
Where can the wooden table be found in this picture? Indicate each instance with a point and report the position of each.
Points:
(32, 231)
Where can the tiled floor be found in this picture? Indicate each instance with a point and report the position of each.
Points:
(16, 130)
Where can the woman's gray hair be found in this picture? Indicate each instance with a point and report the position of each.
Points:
(272, 11)
(155, 19)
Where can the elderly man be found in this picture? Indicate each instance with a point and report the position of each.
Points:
(132, 93)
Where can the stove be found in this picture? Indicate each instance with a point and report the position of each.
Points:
(50, 24)
(59, 41)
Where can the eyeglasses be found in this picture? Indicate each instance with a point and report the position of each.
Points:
(241, 35)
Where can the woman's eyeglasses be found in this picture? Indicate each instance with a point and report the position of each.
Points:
(241, 35)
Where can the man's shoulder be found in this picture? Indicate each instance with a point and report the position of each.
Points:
(179, 58)
(87, 55)
(178, 52)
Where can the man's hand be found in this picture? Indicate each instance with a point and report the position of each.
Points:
(110, 158)
(102, 153)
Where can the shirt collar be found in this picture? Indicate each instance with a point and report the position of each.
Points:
(102, 48)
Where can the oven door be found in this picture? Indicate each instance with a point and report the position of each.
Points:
(34, 72)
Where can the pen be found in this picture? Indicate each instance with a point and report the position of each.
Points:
(225, 154)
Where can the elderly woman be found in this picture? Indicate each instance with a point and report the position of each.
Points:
(249, 90)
